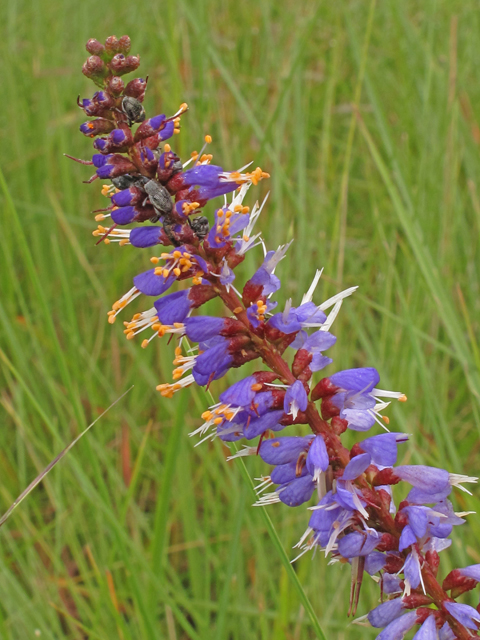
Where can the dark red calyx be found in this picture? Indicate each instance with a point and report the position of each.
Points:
(416, 600)
(201, 293)
(388, 543)
(136, 89)
(263, 377)
(339, 425)
(251, 293)
(322, 389)
(231, 327)
(385, 476)
(328, 409)
(433, 560)
(455, 581)
(394, 563)
(301, 361)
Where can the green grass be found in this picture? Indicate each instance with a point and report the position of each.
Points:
(372, 140)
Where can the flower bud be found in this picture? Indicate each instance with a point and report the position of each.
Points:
(95, 69)
(136, 89)
(124, 44)
(94, 47)
(112, 45)
(97, 127)
(120, 64)
(118, 140)
(115, 85)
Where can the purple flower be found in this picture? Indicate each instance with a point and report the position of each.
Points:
(412, 569)
(431, 484)
(226, 224)
(257, 426)
(428, 630)
(383, 448)
(356, 466)
(382, 615)
(295, 399)
(397, 629)
(284, 450)
(358, 544)
(173, 307)
(203, 328)
(351, 394)
(297, 491)
(213, 363)
(264, 276)
(241, 393)
(143, 237)
(125, 215)
(151, 285)
(463, 613)
(317, 458)
(407, 538)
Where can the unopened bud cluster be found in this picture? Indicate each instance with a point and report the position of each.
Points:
(353, 516)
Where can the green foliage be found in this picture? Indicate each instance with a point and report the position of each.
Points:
(374, 156)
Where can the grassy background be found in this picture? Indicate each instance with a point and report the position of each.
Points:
(137, 534)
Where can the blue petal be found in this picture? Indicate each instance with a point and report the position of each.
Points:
(173, 307)
(151, 285)
(382, 448)
(363, 379)
(297, 492)
(357, 544)
(356, 466)
(145, 236)
(259, 425)
(428, 630)
(385, 613)
(203, 328)
(407, 538)
(317, 457)
(464, 613)
(397, 629)
(283, 450)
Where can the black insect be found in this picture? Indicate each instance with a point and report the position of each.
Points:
(200, 226)
(159, 198)
(124, 182)
(133, 109)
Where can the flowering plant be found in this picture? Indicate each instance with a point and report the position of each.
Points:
(355, 519)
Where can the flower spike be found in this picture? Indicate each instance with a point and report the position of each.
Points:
(158, 198)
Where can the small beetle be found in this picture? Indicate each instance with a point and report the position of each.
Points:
(133, 109)
(159, 197)
(200, 226)
(123, 182)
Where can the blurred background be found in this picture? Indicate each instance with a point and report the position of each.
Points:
(367, 117)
